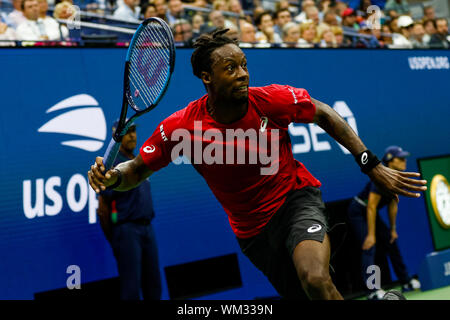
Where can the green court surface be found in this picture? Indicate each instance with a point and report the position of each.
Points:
(436, 294)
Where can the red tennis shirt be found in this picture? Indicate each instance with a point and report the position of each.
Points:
(248, 164)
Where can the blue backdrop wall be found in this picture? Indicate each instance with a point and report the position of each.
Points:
(57, 108)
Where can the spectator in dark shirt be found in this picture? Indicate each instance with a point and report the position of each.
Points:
(441, 38)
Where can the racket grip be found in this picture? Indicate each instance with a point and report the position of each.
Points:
(111, 154)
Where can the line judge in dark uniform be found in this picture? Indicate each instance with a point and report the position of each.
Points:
(125, 218)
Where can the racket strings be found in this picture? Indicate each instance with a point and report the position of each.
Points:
(149, 65)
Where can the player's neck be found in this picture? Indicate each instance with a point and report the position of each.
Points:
(226, 112)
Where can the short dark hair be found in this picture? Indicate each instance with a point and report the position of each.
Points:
(204, 47)
(22, 4)
(145, 6)
(258, 18)
(275, 15)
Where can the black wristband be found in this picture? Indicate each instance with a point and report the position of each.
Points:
(367, 161)
(118, 181)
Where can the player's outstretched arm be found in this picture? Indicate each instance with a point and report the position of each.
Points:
(392, 181)
(125, 176)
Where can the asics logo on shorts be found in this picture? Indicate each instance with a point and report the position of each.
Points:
(314, 228)
(149, 149)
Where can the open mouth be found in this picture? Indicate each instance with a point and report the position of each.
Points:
(242, 88)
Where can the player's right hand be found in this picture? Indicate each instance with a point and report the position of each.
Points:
(98, 180)
(369, 242)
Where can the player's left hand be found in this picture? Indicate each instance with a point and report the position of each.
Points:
(394, 236)
(396, 182)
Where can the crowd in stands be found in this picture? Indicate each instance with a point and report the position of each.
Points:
(306, 24)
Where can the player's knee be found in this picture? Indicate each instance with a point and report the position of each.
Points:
(315, 279)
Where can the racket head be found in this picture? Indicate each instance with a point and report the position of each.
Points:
(150, 63)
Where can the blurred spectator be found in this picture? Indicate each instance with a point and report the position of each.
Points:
(401, 40)
(233, 33)
(302, 16)
(33, 29)
(308, 34)
(430, 28)
(327, 39)
(220, 5)
(197, 22)
(392, 14)
(324, 6)
(400, 6)
(6, 33)
(369, 41)
(217, 20)
(282, 4)
(161, 9)
(419, 38)
(175, 12)
(441, 39)
(281, 17)
(148, 10)
(264, 23)
(182, 32)
(291, 34)
(340, 8)
(312, 14)
(428, 13)
(53, 29)
(16, 16)
(386, 34)
(338, 35)
(393, 25)
(129, 10)
(248, 33)
(64, 10)
(349, 19)
(363, 6)
(236, 7)
(330, 18)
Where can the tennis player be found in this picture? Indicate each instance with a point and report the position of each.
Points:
(277, 214)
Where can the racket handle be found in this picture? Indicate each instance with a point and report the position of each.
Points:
(111, 154)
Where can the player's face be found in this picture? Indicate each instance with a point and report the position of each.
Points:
(398, 164)
(229, 76)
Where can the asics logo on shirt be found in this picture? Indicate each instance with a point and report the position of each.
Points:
(149, 149)
(314, 228)
(264, 122)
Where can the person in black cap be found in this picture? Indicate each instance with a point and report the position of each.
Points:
(369, 229)
(125, 218)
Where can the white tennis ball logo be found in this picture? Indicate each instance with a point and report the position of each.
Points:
(364, 158)
(149, 149)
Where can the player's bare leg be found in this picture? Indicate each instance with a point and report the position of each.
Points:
(311, 260)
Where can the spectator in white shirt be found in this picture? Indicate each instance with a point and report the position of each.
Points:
(6, 33)
(16, 16)
(129, 10)
(302, 16)
(33, 29)
(52, 27)
(401, 40)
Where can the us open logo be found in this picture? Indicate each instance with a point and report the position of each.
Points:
(87, 121)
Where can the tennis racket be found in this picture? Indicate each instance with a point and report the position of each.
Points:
(149, 64)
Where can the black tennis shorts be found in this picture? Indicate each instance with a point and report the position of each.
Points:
(301, 217)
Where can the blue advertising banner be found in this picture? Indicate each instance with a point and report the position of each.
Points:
(58, 106)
